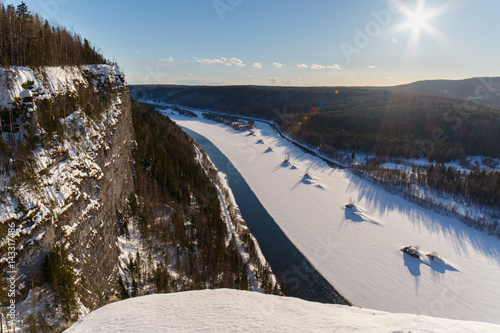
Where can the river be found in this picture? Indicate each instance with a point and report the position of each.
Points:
(301, 279)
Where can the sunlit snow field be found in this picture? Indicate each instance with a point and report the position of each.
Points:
(359, 250)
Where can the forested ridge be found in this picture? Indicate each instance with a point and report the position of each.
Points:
(177, 211)
(28, 40)
(384, 123)
(378, 121)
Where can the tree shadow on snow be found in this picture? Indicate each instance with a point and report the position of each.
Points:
(413, 264)
(350, 215)
(268, 150)
(307, 180)
(437, 268)
(436, 223)
(285, 164)
(441, 267)
(355, 215)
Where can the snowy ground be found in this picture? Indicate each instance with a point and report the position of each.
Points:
(359, 251)
(225, 310)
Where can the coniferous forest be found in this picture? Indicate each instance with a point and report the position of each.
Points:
(28, 40)
(384, 123)
(176, 210)
(378, 121)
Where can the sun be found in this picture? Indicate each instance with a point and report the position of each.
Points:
(417, 19)
(417, 23)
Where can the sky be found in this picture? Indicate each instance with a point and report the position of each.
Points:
(287, 42)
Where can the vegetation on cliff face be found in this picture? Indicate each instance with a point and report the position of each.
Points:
(55, 184)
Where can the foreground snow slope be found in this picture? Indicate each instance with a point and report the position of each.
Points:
(359, 251)
(225, 310)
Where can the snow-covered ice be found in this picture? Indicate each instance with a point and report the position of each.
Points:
(225, 310)
(359, 252)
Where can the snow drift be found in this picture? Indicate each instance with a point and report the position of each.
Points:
(225, 310)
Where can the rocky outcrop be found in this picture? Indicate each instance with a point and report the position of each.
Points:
(93, 241)
(83, 178)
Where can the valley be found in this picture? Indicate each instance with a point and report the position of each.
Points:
(359, 252)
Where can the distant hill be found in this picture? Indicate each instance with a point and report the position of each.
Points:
(227, 310)
(390, 122)
(482, 89)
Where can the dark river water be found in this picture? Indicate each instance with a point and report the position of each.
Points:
(300, 277)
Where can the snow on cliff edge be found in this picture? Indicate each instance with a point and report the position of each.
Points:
(226, 310)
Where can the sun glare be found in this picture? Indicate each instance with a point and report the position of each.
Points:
(417, 20)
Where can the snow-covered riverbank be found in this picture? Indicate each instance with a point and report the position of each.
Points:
(359, 251)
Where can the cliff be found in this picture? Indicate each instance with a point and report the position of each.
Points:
(104, 199)
(69, 192)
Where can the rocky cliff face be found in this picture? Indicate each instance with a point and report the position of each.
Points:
(73, 197)
(96, 214)
(71, 238)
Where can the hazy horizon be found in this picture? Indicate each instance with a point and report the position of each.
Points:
(287, 43)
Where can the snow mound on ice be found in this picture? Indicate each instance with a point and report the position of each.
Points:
(343, 250)
(225, 310)
(357, 214)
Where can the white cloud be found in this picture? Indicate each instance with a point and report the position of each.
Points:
(277, 65)
(138, 52)
(236, 61)
(303, 66)
(334, 66)
(222, 60)
(274, 79)
(166, 59)
(315, 66)
(257, 65)
(371, 67)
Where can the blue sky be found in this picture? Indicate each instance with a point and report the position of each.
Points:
(287, 42)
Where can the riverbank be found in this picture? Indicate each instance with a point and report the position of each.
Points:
(359, 252)
(286, 261)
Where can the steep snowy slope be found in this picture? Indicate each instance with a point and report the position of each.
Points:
(227, 310)
(72, 196)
